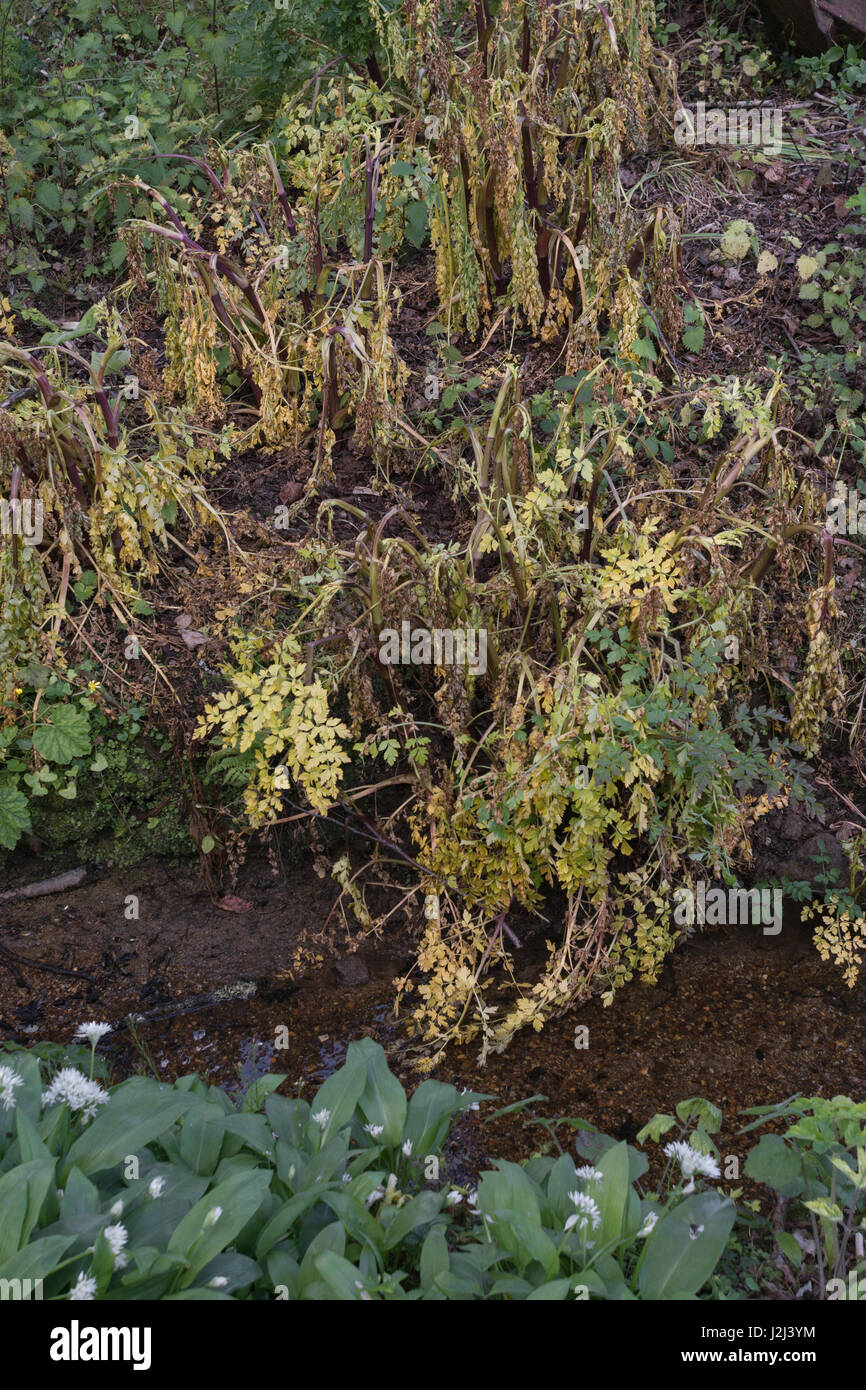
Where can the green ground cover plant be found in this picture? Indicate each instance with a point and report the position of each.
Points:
(145, 1190)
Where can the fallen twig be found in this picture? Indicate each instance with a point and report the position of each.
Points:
(71, 879)
(44, 965)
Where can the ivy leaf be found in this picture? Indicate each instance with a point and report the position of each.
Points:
(14, 816)
(65, 738)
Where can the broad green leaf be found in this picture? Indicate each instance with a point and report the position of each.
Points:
(553, 1292)
(383, 1099)
(216, 1220)
(258, 1093)
(331, 1237)
(790, 1248)
(139, 1111)
(612, 1192)
(335, 1101)
(48, 195)
(685, 1246)
(563, 1180)
(420, 1211)
(417, 216)
(341, 1277)
(287, 1216)
(14, 816)
(22, 1192)
(38, 1259)
(429, 1114)
(775, 1163)
(65, 738)
(201, 1138)
(697, 1108)
(435, 1259)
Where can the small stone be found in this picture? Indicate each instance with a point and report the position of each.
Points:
(351, 970)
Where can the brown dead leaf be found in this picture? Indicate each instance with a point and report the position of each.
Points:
(192, 638)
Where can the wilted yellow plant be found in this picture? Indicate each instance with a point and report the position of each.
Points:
(282, 721)
(819, 690)
(839, 936)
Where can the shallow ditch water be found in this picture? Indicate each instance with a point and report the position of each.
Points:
(739, 1017)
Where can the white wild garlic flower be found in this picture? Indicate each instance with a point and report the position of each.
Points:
(692, 1161)
(589, 1174)
(587, 1212)
(117, 1237)
(71, 1087)
(649, 1222)
(83, 1288)
(9, 1079)
(91, 1032)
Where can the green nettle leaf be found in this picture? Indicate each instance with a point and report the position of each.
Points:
(48, 195)
(65, 738)
(416, 223)
(14, 816)
(693, 339)
(644, 347)
(685, 1246)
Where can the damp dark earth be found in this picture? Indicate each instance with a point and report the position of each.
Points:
(738, 1015)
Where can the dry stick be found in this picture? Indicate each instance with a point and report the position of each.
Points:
(841, 795)
(70, 879)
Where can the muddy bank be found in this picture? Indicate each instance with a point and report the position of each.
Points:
(739, 1017)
